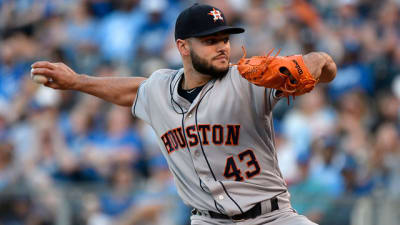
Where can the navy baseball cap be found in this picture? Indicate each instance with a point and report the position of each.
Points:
(202, 20)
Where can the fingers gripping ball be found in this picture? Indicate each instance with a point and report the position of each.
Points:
(288, 74)
(40, 79)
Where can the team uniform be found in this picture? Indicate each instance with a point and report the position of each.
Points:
(219, 148)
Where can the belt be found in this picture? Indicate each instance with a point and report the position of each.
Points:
(250, 214)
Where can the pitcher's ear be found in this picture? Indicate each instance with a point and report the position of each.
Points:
(183, 46)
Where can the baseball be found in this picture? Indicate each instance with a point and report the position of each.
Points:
(40, 79)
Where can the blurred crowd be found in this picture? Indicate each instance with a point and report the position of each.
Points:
(69, 158)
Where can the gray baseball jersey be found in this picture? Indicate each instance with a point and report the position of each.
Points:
(220, 148)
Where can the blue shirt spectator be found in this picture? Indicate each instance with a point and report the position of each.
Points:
(118, 34)
(10, 79)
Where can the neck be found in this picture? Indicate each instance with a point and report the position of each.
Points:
(193, 79)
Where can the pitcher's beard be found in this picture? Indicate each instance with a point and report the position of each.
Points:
(202, 66)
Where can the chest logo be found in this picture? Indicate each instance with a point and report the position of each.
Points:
(216, 14)
(204, 134)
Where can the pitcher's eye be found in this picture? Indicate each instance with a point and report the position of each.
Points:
(210, 41)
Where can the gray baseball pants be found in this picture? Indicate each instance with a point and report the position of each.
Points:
(286, 216)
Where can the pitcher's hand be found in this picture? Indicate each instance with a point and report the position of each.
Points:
(59, 75)
(321, 66)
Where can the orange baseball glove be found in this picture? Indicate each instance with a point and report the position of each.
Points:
(288, 74)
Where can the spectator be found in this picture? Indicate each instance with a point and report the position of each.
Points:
(326, 166)
(81, 43)
(121, 195)
(309, 196)
(7, 172)
(119, 32)
(119, 143)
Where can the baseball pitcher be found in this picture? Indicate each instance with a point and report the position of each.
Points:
(213, 119)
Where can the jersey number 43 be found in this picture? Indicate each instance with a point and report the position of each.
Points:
(232, 171)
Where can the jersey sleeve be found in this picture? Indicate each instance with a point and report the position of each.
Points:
(140, 104)
(150, 94)
(261, 99)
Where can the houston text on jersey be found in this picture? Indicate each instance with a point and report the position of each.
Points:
(215, 134)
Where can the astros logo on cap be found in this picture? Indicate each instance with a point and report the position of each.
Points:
(217, 14)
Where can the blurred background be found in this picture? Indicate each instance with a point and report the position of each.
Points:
(68, 158)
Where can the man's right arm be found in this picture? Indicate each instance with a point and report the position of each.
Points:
(117, 90)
